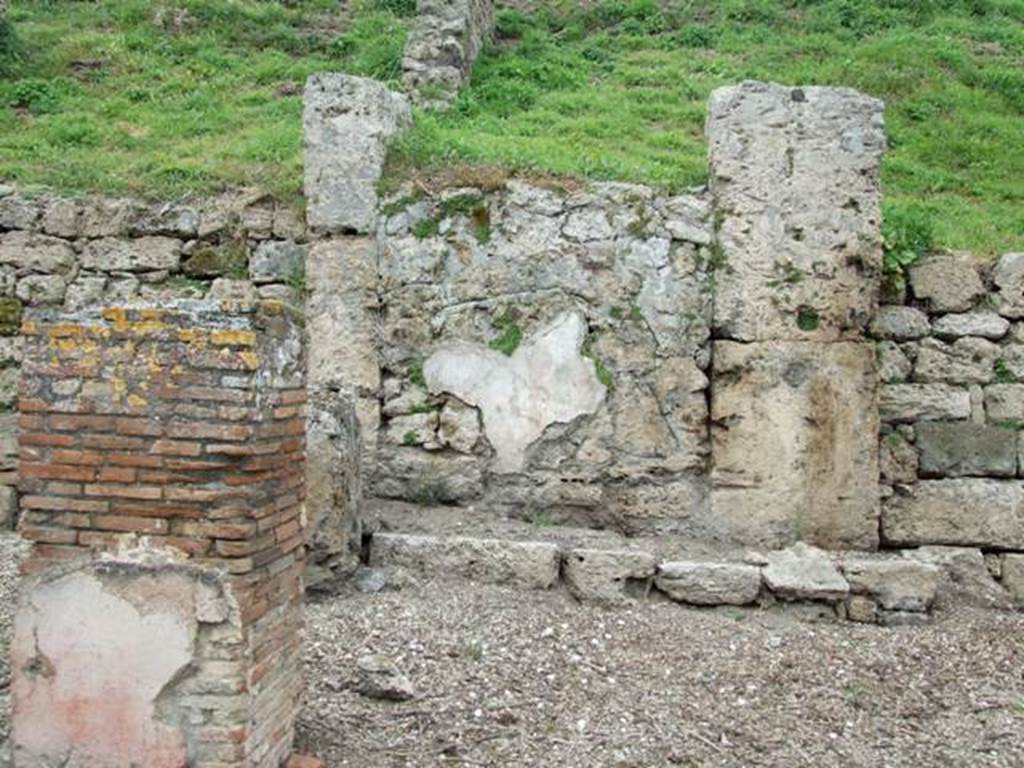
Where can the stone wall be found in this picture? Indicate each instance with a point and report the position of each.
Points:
(183, 425)
(951, 359)
(445, 40)
(545, 352)
(73, 254)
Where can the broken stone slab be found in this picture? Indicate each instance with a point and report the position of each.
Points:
(803, 572)
(894, 366)
(988, 325)
(378, 677)
(346, 124)
(895, 584)
(899, 323)
(923, 402)
(967, 578)
(30, 252)
(529, 564)
(277, 261)
(948, 281)
(794, 430)
(700, 583)
(795, 176)
(954, 449)
(974, 512)
(604, 576)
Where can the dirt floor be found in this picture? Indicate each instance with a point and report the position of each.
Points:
(509, 678)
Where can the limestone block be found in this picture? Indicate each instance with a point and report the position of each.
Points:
(794, 173)
(965, 361)
(893, 365)
(143, 254)
(602, 576)
(709, 583)
(966, 578)
(37, 290)
(795, 443)
(988, 325)
(346, 123)
(340, 314)
(1005, 402)
(923, 402)
(529, 564)
(459, 426)
(1009, 279)
(899, 323)
(17, 212)
(333, 479)
(688, 217)
(170, 219)
(545, 381)
(412, 474)
(963, 448)
(412, 429)
(1013, 576)
(948, 281)
(896, 584)
(964, 512)
(804, 572)
(30, 252)
(276, 261)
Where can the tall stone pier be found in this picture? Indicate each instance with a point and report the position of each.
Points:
(162, 485)
(794, 422)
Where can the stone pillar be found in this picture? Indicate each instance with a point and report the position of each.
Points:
(347, 122)
(795, 180)
(444, 42)
(162, 483)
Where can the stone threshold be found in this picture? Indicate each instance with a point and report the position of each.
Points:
(601, 567)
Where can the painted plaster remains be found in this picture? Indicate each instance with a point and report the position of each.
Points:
(545, 381)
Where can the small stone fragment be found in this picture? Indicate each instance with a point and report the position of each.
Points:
(601, 576)
(803, 572)
(709, 583)
(899, 323)
(380, 678)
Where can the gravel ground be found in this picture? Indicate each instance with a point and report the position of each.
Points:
(510, 678)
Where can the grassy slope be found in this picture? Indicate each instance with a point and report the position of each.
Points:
(606, 89)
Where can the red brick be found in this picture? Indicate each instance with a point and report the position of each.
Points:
(116, 475)
(55, 472)
(139, 426)
(248, 449)
(179, 493)
(76, 457)
(125, 491)
(61, 503)
(198, 465)
(286, 531)
(45, 438)
(135, 460)
(63, 489)
(72, 423)
(32, 405)
(238, 531)
(291, 396)
(207, 431)
(188, 545)
(130, 524)
(305, 761)
(48, 535)
(216, 394)
(113, 442)
(156, 509)
(176, 448)
(27, 421)
(98, 539)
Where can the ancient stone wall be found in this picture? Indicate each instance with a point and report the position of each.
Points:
(951, 359)
(177, 433)
(445, 40)
(544, 352)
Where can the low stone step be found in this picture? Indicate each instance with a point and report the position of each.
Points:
(890, 588)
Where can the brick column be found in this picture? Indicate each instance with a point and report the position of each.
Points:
(162, 480)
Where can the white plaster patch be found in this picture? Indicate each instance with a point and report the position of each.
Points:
(545, 381)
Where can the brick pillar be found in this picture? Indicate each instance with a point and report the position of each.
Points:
(794, 422)
(162, 480)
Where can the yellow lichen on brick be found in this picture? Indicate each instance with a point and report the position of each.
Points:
(250, 358)
(147, 327)
(65, 329)
(117, 316)
(29, 328)
(191, 335)
(136, 401)
(233, 338)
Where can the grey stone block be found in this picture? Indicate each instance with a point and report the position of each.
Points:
(963, 448)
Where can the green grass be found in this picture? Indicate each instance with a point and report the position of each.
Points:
(128, 96)
(97, 96)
